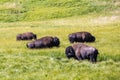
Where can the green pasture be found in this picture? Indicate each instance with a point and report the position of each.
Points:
(59, 18)
(20, 63)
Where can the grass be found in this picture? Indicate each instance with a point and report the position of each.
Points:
(34, 10)
(59, 18)
(20, 63)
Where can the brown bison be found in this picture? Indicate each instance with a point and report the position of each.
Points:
(81, 37)
(26, 36)
(44, 42)
(81, 51)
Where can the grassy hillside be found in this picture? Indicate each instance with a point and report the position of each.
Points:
(34, 10)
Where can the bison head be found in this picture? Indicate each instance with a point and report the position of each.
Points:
(94, 57)
(92, 39)
(70, 52)
(56, 41)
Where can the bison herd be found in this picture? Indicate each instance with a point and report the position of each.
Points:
(78, 50)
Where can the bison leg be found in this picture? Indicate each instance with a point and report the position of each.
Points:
(79, 58)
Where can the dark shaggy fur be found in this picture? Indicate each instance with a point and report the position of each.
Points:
(81, 37)
(26, 36)
(44, 42)
(81, 52)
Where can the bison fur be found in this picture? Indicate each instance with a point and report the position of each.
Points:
(26, 36)
(81, 37)
(44, 42)
(81, 51)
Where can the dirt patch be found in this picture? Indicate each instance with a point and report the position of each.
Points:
(104, 20)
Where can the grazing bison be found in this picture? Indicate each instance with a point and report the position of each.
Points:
(81, 51)
(26, 36)
(81, 37)
(44, 42)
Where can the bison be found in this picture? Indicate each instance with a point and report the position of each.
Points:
(44, 42)
(26, 36)
(81, 37)
(81, 51)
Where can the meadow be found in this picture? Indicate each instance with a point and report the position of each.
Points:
(20, 63)
(17, 62)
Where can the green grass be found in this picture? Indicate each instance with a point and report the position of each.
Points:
(59, 18)
(34, 10)
(21, 63)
